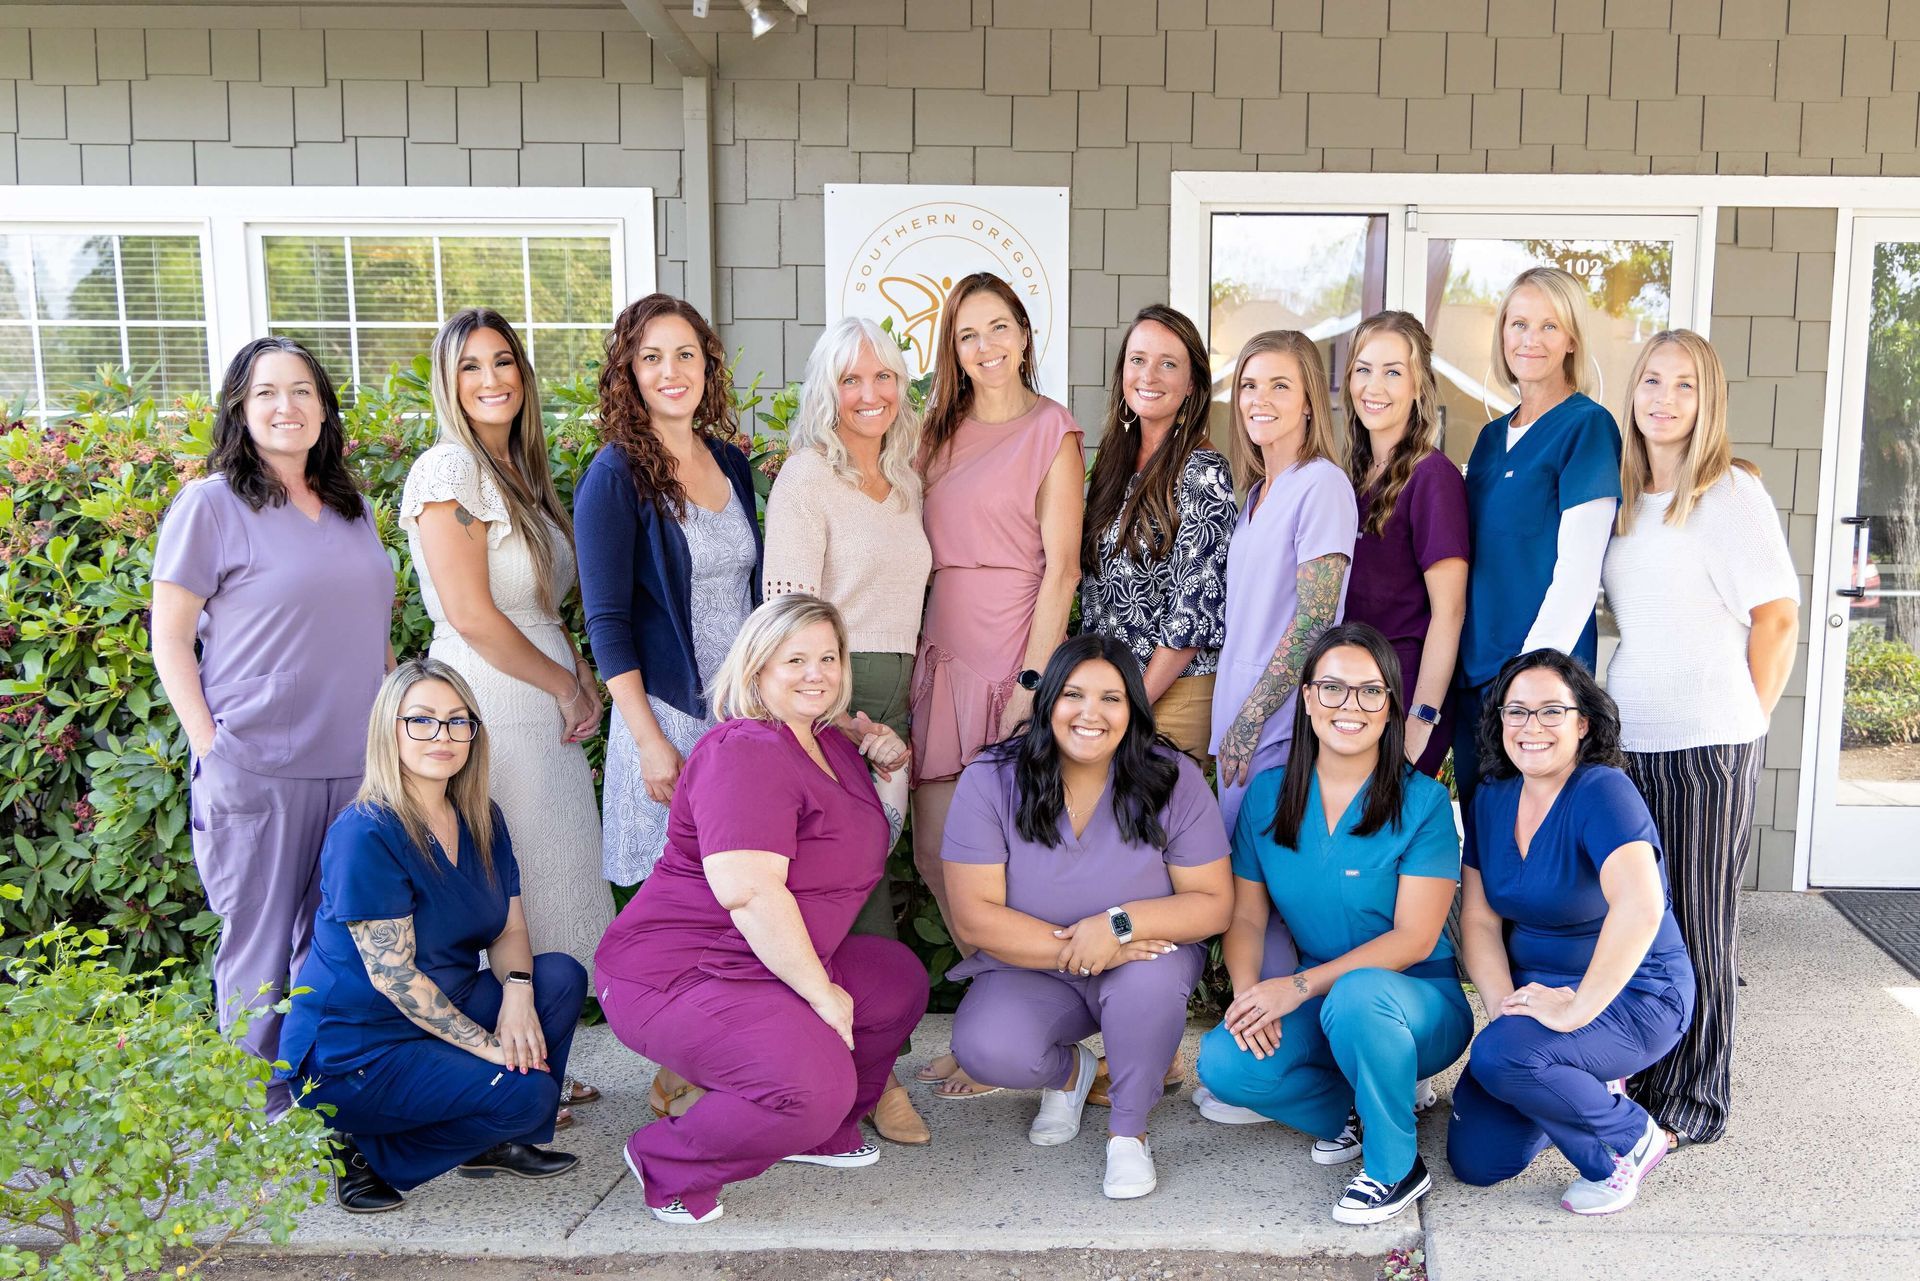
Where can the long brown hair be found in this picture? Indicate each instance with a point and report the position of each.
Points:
(1709, 449)
(1152, 518)
(1319, 440)
(951, 399)
(1422, 435)
(624, 420)
(235, 457)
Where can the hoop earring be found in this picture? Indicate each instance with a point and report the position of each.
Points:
(1126, 409)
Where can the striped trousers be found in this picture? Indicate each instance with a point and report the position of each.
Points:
(1702, 801)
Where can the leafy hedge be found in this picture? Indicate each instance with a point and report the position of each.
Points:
(1882, 704)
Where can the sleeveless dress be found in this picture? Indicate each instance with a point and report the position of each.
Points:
(987, 565)
(542, 785)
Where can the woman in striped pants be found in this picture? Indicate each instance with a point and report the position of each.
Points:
(1701, 583)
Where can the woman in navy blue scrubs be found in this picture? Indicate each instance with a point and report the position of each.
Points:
(429, 1061)
(1542, 486)
(1567, 933)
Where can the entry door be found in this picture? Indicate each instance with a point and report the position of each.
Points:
(1866, 609)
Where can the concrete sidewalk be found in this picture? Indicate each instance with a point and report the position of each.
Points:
(1817, 1177)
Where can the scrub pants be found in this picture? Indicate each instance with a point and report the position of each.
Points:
(778, 1080)
(1018, 1028)
(1469, 699)
(420, 1108)
(1526, 1085)
(256, 843)
(1361, 1046)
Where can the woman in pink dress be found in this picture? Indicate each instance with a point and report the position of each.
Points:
(1004, 498)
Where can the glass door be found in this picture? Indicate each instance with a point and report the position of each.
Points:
(1866, 611)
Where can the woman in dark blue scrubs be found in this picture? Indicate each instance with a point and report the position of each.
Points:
(1567, 933)
(429, 1061)
(1542, 485)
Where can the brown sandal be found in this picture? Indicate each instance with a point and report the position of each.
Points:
(895, 1120)
(578, 1092)
(563, 1118)
(1097, 1096)
(665, 1105)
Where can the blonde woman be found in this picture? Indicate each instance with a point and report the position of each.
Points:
(734, 960)
(1700, 580)
(1543, 483)
(494, 551)
(427, 1059)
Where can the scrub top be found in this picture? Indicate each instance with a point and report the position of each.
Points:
(1552, 897)
(749, 785)
(1569, 456)
(370, 870)
(1388, 586)
(293, 636)
(1308, 512)
(1338, 890)
(1083, 874)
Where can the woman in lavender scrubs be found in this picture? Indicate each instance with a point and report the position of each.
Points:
(272, 562)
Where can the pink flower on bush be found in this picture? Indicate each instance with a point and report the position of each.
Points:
(8, 635)
(83, 816)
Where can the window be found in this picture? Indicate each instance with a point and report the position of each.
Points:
(72, 303)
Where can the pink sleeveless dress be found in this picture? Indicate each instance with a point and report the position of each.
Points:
(987, 565)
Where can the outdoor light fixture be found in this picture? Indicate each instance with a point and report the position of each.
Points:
(757, 18)
(799, 7)
(700, 8)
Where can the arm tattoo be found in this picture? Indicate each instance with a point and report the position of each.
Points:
(895, 821)
(1318, 587)
(465, 518)
(387, 950)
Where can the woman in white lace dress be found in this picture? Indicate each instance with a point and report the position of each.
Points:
(494, 551)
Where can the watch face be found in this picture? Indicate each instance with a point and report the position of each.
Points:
(1122, 923)
(1028, 679)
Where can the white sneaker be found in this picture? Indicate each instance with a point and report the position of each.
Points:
(865, 1154)
(1059, 1117)
(1424, 1095)
(1224, 1113)
(673, 1211)
(1129, 1169)
(1339, 1151)
(1617, 1190)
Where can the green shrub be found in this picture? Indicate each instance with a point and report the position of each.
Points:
(129, 1125)
(1882, 704)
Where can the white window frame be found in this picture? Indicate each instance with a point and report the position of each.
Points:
(231, 220)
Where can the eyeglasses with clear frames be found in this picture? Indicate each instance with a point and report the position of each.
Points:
(1333, 693)
(424, 729)
(1516, 717)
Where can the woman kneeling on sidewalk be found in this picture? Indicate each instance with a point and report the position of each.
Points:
(1087, 864)
(734, 961)
(429, 1061)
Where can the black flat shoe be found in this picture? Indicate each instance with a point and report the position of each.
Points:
(359, 1190)
(522, 1159)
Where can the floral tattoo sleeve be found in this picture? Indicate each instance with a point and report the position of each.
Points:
(387, 950)
(1318, 587)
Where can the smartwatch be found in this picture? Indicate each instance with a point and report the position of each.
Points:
(520, 977)
(1426, 712)
(1122, 924)
(1028, 679)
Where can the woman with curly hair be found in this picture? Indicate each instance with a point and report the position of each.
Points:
(669, 559)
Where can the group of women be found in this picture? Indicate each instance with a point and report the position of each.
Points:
(898, 645)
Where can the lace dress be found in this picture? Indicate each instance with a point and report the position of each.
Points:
(542, 785)
(722, 548)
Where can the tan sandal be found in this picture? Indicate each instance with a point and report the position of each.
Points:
(665, 1105)
(895, 1120)
(1097, 1096)
(578, 1092)
(563, 1118)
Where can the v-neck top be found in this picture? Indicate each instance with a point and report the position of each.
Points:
(1552, 897)
(1570, 455)
(1084, 874)
(370, 870)
(1337, 890)
(749, 785)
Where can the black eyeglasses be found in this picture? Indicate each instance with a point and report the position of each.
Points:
(424, 729)
(1333, 693)
(1514, 716)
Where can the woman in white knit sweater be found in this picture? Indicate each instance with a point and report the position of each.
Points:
(1701, 583)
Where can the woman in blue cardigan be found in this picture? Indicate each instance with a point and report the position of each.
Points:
(669, 559)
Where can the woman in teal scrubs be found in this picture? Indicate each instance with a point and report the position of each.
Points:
(1334, 1049)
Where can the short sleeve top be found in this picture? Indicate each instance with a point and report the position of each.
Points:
(1337, 890)
(293, 635)
(1083, 874)
(749, 785)
(1428, 524)
(1569, 456)
(370, 870)
(449, 472)
(1552, 897)
(979, 503)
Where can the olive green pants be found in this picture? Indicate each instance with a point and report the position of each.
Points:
(881, 685)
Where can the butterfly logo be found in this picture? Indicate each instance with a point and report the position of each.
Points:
(916, 302)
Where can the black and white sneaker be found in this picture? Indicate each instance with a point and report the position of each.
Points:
(1340, 1150)
(1368, 1201)
(865, 1154)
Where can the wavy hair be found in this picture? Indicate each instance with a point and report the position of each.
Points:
(235, 456)
(1422, 435)
(736, 686)
(951, 399)
(816, 422)
(1143, 777)
(1150, 520)
(1568, 298)
(1601, 746)
(624, 420)
(1709, 455)
(384, 786)
(1387, 786)
(1319, 441)
(532, 501)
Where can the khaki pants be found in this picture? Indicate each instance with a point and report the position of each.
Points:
(1185, 715)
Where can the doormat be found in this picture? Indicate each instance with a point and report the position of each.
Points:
(1890, 918)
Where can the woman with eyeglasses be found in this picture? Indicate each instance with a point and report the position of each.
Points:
(1566, 932)
(1357, 851)
(428, 1059)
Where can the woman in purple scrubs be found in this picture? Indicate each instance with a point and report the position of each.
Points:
(1087, 865)
(273, 564)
